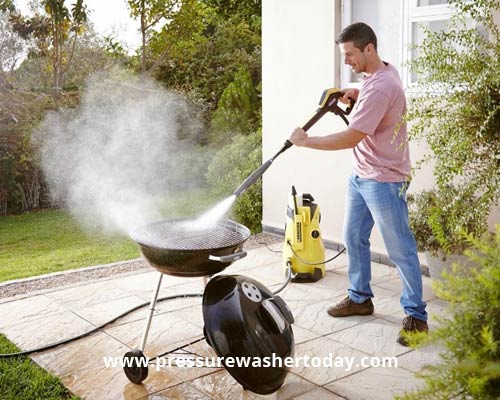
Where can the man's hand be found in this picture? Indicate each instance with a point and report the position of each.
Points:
(298, 137)
(350, 93)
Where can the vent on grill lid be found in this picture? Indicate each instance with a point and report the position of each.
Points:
(184, 235)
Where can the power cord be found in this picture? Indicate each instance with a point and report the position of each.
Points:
(268, 248)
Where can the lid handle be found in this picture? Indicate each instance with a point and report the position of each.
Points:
(275, 314)
(229, 258)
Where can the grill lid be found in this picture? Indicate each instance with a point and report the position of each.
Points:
(245, 322)
(184, 234)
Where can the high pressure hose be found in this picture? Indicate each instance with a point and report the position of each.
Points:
(88, 333)
(52, 345)
(289, 277)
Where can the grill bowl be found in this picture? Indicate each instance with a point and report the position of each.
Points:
(176, 247)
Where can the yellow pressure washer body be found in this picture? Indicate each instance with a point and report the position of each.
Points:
(303, 250)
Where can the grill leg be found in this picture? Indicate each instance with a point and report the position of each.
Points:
(152, 306)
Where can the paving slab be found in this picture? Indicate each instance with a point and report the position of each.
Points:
(61, 312)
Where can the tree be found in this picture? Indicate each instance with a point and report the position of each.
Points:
(238, 110)
(55, 32)
(150, 13)
(200, 51)
(11, 47)
(227, 8)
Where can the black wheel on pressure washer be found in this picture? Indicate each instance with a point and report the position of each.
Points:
(137, 368)
(318, 274)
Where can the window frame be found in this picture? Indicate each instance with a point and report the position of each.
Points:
(411, 13)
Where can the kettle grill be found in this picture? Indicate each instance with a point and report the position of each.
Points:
(242, 318)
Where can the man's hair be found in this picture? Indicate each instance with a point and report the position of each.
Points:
(360, 34)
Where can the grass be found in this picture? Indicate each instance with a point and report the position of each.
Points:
(47, 241)
(21, 378)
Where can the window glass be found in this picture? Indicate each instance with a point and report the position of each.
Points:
(425, 3)
(418, 34)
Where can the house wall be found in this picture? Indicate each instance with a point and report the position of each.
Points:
(298, 57)
(300, 60)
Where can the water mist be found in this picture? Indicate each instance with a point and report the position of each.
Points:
(116, 158)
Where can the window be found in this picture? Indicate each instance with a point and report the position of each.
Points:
(398, 25)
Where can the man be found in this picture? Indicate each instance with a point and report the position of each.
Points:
(377, 187)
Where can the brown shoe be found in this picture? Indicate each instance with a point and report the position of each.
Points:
(411, 324)
(347, 307)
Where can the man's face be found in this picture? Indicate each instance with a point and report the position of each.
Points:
(353, 57)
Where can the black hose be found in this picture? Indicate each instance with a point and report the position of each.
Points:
(52, 345)
(187, 295)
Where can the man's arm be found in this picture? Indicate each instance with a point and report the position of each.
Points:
(337, 141)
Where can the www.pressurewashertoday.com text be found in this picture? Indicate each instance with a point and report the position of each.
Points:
(330, 361)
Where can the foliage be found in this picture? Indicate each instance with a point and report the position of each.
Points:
(201, 49)
(229, 168)
(470, 333)
(458, 112)
(7, 6)
(227, 8)
(11, 45)
(237, 110)
(24, 100)
(150, 13)
(91, 54)
(439, 218)
(20, 179)
(55, 31)
(21, 378)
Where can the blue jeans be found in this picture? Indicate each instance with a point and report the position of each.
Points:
(369, 202)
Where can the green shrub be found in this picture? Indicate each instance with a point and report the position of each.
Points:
(457, 110)
(229, 168)
(438, 219)
(470, 333)
(237, 109)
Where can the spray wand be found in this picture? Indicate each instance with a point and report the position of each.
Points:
(327, 103)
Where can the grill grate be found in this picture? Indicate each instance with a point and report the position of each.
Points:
(182, 235)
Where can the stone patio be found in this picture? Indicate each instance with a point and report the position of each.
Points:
(53, 314)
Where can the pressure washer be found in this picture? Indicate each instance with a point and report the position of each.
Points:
(303, 249)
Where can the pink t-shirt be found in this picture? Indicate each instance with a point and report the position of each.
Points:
(383, 155)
